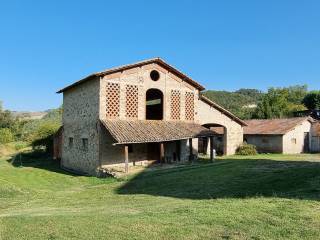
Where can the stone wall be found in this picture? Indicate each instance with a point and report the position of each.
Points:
(81, 121)
(293, 141)
(233, 130)
(266, 143)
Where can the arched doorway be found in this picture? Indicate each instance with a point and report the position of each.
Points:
(154, 104)
(219, 139)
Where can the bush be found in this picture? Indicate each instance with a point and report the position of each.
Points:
(20, 145)
(247, 149)
(6, 135)
(44, 137)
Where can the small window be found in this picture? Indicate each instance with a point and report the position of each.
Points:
(85, 144)
(264, 140)
(294, 140)
(154, 75)
(70, 142)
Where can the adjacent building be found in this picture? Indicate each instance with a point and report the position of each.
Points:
(291, 135)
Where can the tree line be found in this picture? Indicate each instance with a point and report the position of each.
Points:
(275, 103)
(35, 132)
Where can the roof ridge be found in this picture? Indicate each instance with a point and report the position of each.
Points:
(133, 65)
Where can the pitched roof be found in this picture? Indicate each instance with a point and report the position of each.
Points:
(142, 131)
(221, 109)
(134, 65)
(272, 126)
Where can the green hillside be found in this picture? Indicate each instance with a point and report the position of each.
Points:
(240, 102)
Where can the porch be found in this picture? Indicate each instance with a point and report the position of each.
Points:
(147, 142)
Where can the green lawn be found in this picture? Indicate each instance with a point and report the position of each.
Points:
(276, 197)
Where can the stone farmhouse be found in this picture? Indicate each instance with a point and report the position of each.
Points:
(292, 135)
(143, 112)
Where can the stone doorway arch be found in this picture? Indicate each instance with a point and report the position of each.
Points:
(219, 140)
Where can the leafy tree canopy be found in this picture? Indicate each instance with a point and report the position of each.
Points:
(281, 102)
(312, 100)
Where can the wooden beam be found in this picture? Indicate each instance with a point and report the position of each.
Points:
(126, 158)
(161, 152)
(190, 150)
(211, 149)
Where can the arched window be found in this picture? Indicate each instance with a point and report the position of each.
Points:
(154, 104)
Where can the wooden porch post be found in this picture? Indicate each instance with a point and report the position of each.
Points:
(126, 157)
(162, 152)
(211, 148)
(190, 150)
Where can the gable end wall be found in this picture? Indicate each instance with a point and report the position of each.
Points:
(81, 120)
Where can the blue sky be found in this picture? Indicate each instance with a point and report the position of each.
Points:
(225, 45)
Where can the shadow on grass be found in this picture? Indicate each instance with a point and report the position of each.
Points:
(37, 159)
(236, 178)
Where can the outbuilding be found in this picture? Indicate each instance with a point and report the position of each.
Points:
(289, 135)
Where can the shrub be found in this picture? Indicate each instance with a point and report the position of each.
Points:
(6, 135)
(247, 149)
(20, 145)
(44, 137)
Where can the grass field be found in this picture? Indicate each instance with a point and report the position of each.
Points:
(261, 197)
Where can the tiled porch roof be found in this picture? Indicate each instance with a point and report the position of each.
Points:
(143, 131)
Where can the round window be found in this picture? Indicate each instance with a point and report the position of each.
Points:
(154, 75)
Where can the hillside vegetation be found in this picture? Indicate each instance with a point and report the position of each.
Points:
(242, 102)
(276, 103)
(17, 131)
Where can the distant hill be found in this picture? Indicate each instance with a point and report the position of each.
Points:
(241, 102)
(29, 115)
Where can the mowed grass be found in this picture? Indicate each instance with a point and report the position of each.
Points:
(260, 197)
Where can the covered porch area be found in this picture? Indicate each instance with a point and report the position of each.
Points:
(145, 142)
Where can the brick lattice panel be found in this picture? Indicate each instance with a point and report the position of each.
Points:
(113, 100)
(131, 101)
(189, 106)
(175, 104)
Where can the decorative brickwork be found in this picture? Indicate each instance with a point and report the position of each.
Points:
(175, 105)
(189, 106)
(131, 101)
(113, 100)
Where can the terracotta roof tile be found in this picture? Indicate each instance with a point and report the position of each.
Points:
(137, 64)
(141, 131)
(272, 126)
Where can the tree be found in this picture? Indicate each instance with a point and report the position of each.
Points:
(44, 136)
(312, 100)
(281, 102)
(6, 118)
(273, 105)
(297, 93)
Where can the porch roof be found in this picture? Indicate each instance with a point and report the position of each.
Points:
(144, 131)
